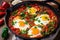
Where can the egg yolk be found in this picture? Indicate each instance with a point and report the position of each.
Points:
(32, 10)
(35, 31)
(21, 23)
(44, 18)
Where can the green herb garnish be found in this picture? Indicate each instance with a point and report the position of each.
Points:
(23, 15)
(13, 23)
(23, 31)
(38, 20)
(40, 26)
(26, 22)
(44, 12)
(35, 27)
(52, 23)
(42, 23)
(45, 33)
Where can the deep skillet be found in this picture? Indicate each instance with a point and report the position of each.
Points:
(11, 9)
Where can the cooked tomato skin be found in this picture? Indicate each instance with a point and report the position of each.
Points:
(36, 6)
(45, 28)
(18, 12)
(1, 21)
(26, 13)
(32, 23)
(27, 18)
(17, 30)
(50, 12)
(21, 9)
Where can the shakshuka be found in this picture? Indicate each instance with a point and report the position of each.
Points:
(32, 21)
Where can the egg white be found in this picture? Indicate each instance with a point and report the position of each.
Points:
(32, 35)
(41, 21)
(17, 24)
(28, 10)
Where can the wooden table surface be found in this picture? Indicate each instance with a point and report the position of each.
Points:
(10, 38)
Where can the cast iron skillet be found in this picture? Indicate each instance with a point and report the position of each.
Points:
(11, 9)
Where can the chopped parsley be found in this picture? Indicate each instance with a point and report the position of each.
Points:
(44, 12)
(13, 23)
(26, 22)
(33, 17)
(40, 26)
(42, 23)
(45, 33)
(52, 23)
(38, 20)
(22, 15)
(23, 31)
(35, 27)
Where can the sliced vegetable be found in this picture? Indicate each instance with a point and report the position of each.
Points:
(2, 9)
(5, 5)
(14, 2)
(2, 14)
(1, 21)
